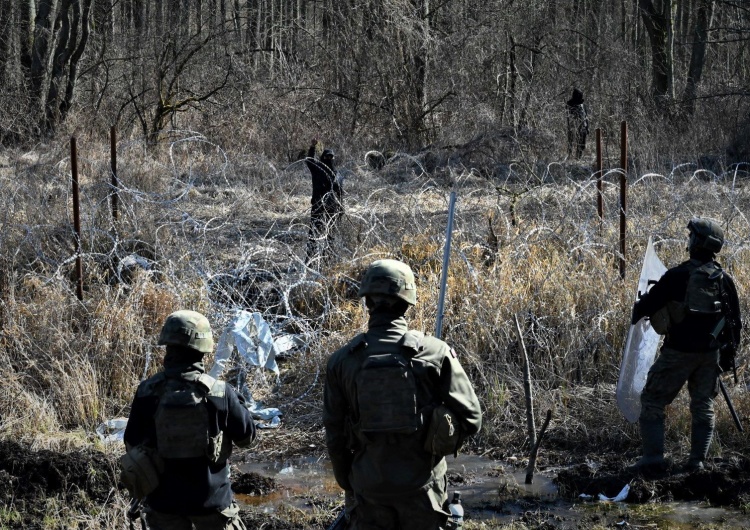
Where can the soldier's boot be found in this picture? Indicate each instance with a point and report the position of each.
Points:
(700, 441)
(652, 440)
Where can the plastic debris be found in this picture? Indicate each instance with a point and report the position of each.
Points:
(619, 497)
(112, 430)
(251, 335)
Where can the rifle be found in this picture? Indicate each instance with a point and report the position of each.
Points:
(730, 349)
(735, 417)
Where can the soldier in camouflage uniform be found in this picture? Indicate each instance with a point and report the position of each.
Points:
(689, 305)
(186, 421)
(388, 393)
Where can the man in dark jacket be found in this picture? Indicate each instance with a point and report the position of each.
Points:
(396, 402)
(578, 124)
(187, 421)
(327, 200)
(695, 305)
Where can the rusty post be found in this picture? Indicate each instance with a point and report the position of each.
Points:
(113, 166)
(623, 192)
(599, 175)
(76, 217)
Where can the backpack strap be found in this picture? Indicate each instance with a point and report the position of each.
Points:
(411, 342)
(357, 344)
(153, 386)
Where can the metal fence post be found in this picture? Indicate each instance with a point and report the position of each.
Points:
(76, 217)
(623, 192)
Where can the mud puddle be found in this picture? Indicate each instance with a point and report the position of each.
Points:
(494, 494)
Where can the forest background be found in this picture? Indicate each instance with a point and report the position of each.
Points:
(214, 102)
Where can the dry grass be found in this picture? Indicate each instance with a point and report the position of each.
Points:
(221, 234)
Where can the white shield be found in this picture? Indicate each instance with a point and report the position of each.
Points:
(640, 345)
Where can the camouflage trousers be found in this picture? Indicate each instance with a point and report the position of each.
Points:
(668, 375)
(227, 519)
(423, 511)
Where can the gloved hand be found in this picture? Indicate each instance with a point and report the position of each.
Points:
(635, 315)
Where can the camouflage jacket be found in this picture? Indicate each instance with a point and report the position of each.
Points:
(387, 465)
(190, 486)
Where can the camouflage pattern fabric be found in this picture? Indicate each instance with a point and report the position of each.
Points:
(670, 372)
(227, 519)
(391, 473)
(424, 511)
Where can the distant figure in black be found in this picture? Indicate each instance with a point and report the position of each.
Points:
(327, 200)
(578, 124)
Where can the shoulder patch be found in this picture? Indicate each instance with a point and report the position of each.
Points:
(454, 354)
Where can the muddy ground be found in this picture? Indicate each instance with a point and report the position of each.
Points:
(87, 478)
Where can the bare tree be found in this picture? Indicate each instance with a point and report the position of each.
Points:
(704, 15)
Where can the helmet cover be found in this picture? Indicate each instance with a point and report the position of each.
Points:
(187, 328)
(390, 277)
(705, 235)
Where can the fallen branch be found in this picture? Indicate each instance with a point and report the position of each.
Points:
(535, 449)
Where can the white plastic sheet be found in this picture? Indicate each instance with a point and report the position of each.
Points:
(112, 430)
(640, 345)
(251, 335)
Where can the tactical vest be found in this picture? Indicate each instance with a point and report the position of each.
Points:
(702, 298)
(387, 393)
(181, 419)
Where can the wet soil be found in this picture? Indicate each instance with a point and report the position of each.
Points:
(495, 493)
(77, 479)
(724, 482)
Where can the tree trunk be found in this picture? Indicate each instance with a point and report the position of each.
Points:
(6, 15)
(704, 16)
(656, 18)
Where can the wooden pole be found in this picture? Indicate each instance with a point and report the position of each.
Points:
(599, 175)
(76, 217)
(113, 166)
(535, 450)
(623, 192)
(530, 424)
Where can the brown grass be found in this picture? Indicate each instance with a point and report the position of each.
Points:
(219, 241)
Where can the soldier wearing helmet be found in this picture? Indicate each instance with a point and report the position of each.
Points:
(327, 200)
(181, 429)
(396, 403)
(695, 306)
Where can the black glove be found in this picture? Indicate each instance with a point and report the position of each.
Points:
(635, 316)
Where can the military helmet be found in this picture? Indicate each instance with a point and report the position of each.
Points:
(705, 235)
(327, 153)
(187, 328)
(390, 277)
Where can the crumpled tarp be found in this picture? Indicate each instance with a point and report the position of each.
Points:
(640, 345)
(250, 335)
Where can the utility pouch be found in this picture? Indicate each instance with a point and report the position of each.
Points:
(443, 432)
(140, 468)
